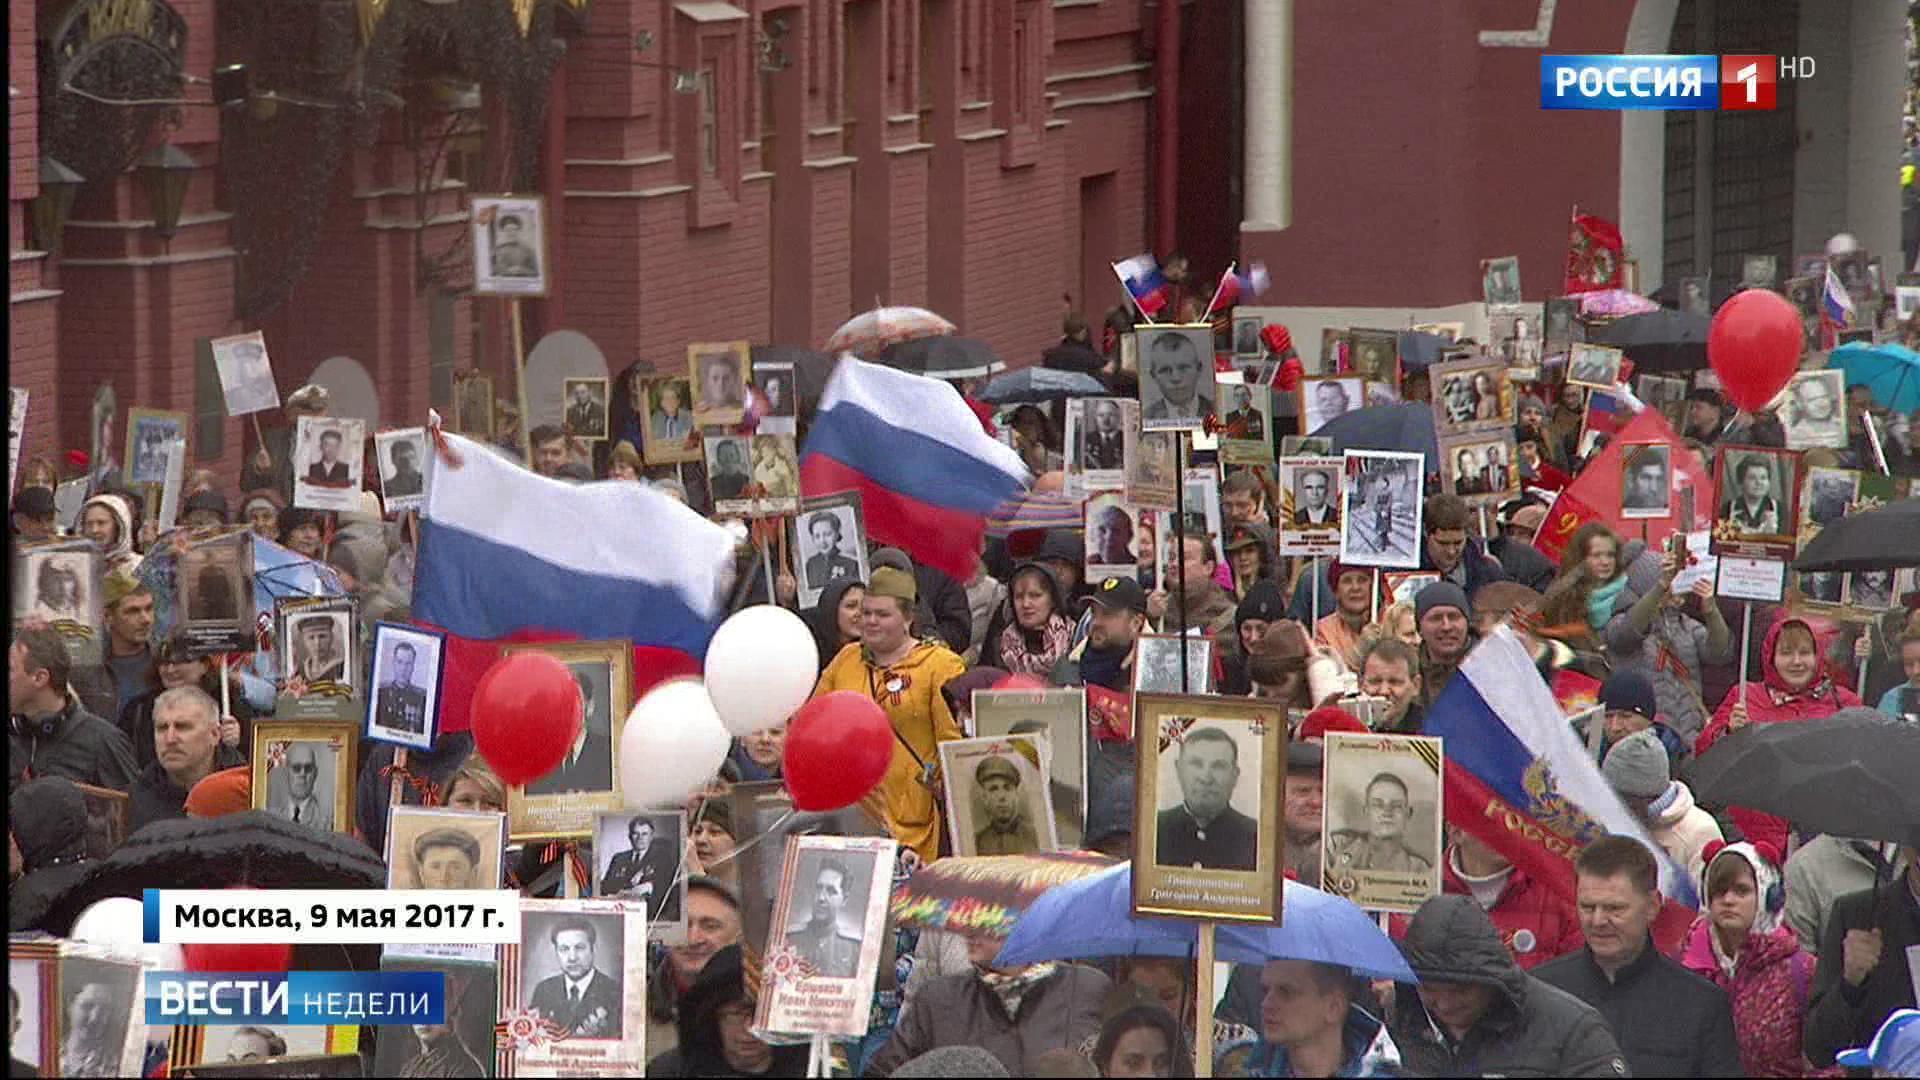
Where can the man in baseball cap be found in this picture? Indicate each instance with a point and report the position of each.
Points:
(1117, 615)
(1895, 1050)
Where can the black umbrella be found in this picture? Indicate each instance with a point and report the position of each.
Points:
(944, 357)
(1037, 384)
(1849, 774)
(1664, 340)
(1876, 540)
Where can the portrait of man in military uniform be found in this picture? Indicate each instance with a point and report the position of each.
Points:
(997, 794)
(1380, 833)
(828, 939)
(406, 684)
(1007, 830)
(1382, 845)
(1197, 825)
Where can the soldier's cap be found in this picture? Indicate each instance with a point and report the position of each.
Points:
(995, 766)
(1251, 534)
(1121, 593)
(895, 583)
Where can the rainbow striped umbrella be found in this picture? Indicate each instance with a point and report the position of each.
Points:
(1034, 510)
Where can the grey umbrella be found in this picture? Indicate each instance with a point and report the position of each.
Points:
(1849, 774)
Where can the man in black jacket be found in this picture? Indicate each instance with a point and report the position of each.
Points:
(1669, 1021)
(51, 733)
(187, 748)
(1075, 351)
(1862, 976)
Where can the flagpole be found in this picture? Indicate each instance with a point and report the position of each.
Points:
(1180, 542)
(1215, 298)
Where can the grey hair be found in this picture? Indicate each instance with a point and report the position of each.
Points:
(188, 697)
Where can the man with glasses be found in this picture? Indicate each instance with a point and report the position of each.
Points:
(298, 802)
(1382, 846)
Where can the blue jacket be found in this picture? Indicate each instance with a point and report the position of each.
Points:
(1369, 1050)
(1890, 701)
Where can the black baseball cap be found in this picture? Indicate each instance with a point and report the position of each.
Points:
(1121, 592)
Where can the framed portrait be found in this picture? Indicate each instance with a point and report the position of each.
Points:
(776, 475)
(1380, 841)
(34, 1040)
(829, 537)
(776, 384)
(1333, 350)
(1208, 841)
(1112, 537)
(1202, 497)
(729, 475)
(1310, 505)
(1156, 664)
(403, 703)
(1804, 294)
(1471, 395)
(213, 586)
(640, 856)
(1756, 272)
(1665, 393)
(1246, 336)
(1871, 590)
(1176, 376)
(1061, 715)
(1822, 587)
(1305, 446)
(404, 459)
(1906, 301)
(509, 245)
(1374, 355)
(148, 433)
(826, 936)
(587, 408)
(1103, 437)
(1827, 496)
(1402, 586)
(1756, 492)
(1150, 479)
(581, 967)
(669, 433)
(563, 803)
(765, 808)
(996, 794)
(99, 1026)
(473, 404)
(1329, 397)
(61, 583)
(718, 372)
(1813, 409)
(1646, 480)
(1812, 266)
(1381, 521)
(1560, 321)
(1246, 428)
(438, 848)
(1500, 280)
(1482, 464)
(246, 374)
(327, 463)
(464, 1045)
(106, 819)
(283, 1050)
(303, 771)
(1596, 366)
(1696, 296)
(316, 644)
(1856, 275)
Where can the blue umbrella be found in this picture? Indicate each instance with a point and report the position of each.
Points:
(1891, 371)
(1091, 918)
(1404, 426)
(1037, 384)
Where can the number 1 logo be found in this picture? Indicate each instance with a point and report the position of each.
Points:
(1748, 82)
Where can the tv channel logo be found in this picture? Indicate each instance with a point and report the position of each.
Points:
(1666, 82)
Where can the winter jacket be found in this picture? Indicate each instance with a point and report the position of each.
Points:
(947, 600)
(1682, 829)
(120, 558)
(47, 818)
(699, 1051)
(1535, 923)
(1843, 1015)
(155, 797)
(1523, 563)
(72, 743)
(1071, 355)
(1771, 701)
(1769, 988)
(1668, 1020)
(1667, 645)
(909, 693)
(1062, 1009)
(1366, 1051)
(1823, 870)
(373, 789)
(1532, 1029)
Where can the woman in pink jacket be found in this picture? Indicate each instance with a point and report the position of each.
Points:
(1795, 685)
(1740, 945)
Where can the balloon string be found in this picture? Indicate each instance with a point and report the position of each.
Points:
(743, 848)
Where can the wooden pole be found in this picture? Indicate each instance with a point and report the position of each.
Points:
(1746, 646)
(1180, 545)
(398, 783)
(1203, 986)
(520, 378)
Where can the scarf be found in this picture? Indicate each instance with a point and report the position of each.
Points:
(1012, 987)
(1601, 600)
(1019, 659)
(1813, 691)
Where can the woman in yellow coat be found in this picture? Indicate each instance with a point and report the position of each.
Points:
(904, 676)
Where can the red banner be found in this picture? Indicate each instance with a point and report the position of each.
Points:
(1595, 255)
(1594, 494)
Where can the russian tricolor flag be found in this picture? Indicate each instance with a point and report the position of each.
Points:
(1141, 275)
(926, 473)
(1518, 779)
(1835, 304)
(1240, 286)
(508, 555)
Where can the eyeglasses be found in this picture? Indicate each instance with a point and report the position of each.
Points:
(295, 767)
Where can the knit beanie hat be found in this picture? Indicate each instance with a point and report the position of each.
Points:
(1637, 766)
(210, 501)
(1629, 691)
(1441, 594)
(229, 791)
(1263, 601)
(953, 1061)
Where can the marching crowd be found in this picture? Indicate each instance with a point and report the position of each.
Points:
(1802, 946)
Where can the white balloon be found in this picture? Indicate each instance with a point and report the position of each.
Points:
(672, 745)
(116, 924)
(762, 665)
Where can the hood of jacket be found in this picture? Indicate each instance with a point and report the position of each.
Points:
(122, 519)
(49, 821)
(1762, 950)
(1452, 940)
(720, 983)
(1679, 808)
(1770, 674)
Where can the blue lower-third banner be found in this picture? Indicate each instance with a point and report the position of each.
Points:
(297, 997)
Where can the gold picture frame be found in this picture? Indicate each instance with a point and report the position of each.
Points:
(553, 806)
(274, 743)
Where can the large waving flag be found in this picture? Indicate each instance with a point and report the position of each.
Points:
(927, 475)
(1518, 779)
(508, 555)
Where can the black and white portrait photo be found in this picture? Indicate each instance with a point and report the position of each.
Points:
(719, 372)
(1480, 465)
(1381, 828)
(1646, 478)
(1383, 505)
(1156, 664)
(29, 1039)
(588, 764)
(776, 474)
(473, 404)
(1812, 410)
(327, 462)
(829, 544)
(1830, 492)
(1246, 428)
(302, 779)
(1757, 491)
(586, 401)
(1665, 393)
(1150, 479)
(1871, 590)
(669, 421)
(781, 395)
(149, 432)
(213, 580)
(1822, 586)
(1246, 336)
(1176, 377)
(1758, 271)
(1326, 399)
(437, 848)
(1101, 433)
(1804, 294)
(509, 245)
(1558, 321)
(1857, 276)
(565, 800)
(319, 647)
(1112, 532)
(1373, 355)
(572, 966)
(246, 375)
(824, 924)
(1500, 280)
(728, 473)
(403, 457)
(1060, 715)
(1469, 396)
(637, 856)
(1596, 366)
(827, 933)
(1208, 806)
(1310, 505)
(97, 1003)
(1695, 296)
(996, 792)
(59, 584)
(455, 1048)
(403, 705)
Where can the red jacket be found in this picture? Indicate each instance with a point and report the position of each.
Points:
(1771, 701)
(1768, 990)
(1535, 923)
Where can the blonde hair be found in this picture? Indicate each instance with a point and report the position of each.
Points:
(477, 772)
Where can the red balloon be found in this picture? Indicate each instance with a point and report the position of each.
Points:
(267, 957)
(526, 714)
(838, 747)
(1754, 346)
(1021, 682)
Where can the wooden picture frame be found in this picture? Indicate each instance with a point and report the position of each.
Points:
(275, 749)
(473, 404)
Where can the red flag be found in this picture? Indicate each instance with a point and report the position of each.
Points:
(1594, 494)
(1595, 255)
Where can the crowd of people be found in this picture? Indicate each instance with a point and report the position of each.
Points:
(1801, 947)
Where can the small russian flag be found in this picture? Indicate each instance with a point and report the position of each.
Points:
(1142, 278)
(1240, 286)
(1835, 305)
